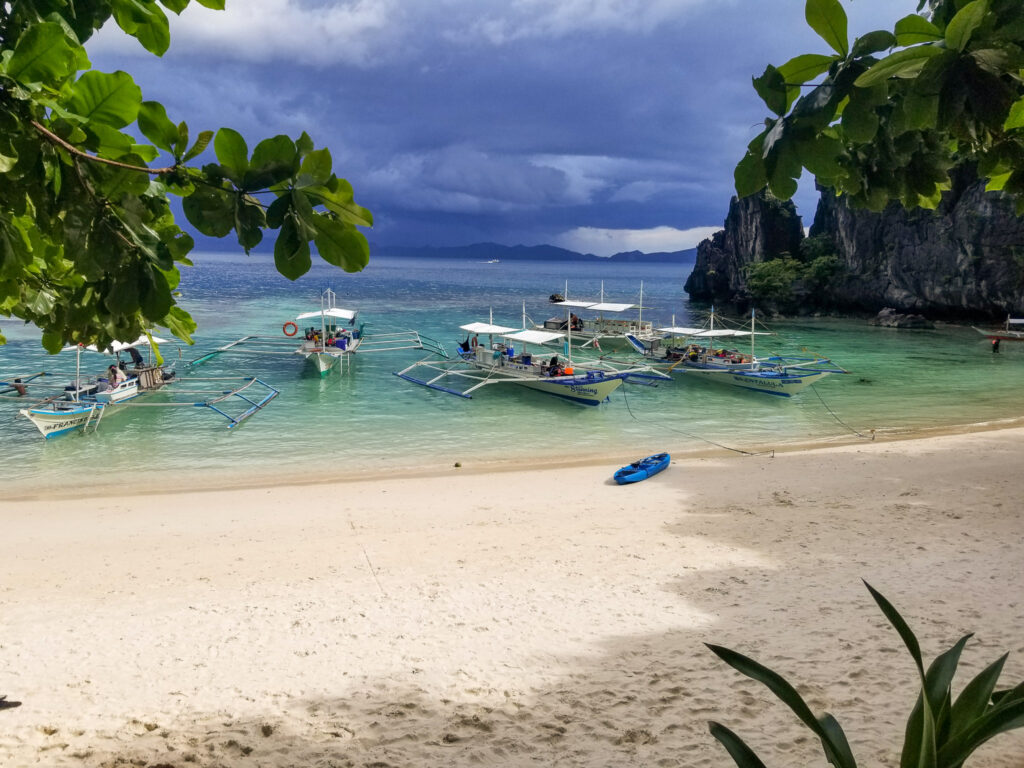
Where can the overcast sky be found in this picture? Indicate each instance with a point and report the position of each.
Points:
(597, 125)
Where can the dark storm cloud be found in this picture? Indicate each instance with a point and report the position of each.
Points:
(517, 122)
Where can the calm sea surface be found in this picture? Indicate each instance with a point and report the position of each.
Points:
(368, 421)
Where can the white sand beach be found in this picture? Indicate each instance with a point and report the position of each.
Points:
(512, 618)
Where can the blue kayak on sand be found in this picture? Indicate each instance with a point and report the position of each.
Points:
(641, 470)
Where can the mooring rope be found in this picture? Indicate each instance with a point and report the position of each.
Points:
(770, 453)
(840, 421)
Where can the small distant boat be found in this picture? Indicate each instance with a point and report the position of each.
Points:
(607, 330)
(329, 342)
(1007, 332)
(491, 261)
(641, 470)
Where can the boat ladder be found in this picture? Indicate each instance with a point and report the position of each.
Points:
(92, 412)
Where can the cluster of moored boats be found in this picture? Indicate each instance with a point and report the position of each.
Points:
(582, 360)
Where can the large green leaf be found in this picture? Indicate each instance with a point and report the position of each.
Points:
(336, 196)
(750, 176)
(1004, 717)
(232, 153)
(962, 26)
(202, 142)
(873, 42)
(291, 252)
(315, 169)
(828, 19)
(180, 323)
(273, 161)
(860, 123)
(905, 63)
(43, 53)
(111, 98)
(800, 69)
(743, 755)
(771, 87)
(249, 221)
(145, 21)
(836, 751)
(914, 29)
(821, 156)
(1015, 119)
(156, 126)
(974, 698)
(175, 6)
(210, 210)
(341, 244)
(904, 631)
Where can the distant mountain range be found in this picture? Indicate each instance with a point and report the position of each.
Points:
(490, 251)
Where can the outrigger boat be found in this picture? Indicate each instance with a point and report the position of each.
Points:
(509, 361)
(602, 333)
(1007, 333)
(693, 351)
(82, 404)
(329, 342)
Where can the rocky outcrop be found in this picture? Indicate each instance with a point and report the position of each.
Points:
(963, 260)
(890, 318)
(756, 228)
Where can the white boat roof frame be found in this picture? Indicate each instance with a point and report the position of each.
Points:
(596, 306)
(333, 312)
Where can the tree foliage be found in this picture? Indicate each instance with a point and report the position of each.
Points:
(89, 246)
(893, 112)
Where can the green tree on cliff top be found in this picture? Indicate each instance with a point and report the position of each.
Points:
(89, 247)
(889, 116)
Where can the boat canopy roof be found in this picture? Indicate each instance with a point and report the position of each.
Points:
(610, 307)
(335, 312)
(720, 332)
(120, 346)
(677, 330)
(597, 306)
(1015, 321)
(489, 328)
(534, 337)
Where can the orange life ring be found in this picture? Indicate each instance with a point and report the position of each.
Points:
(295, 328)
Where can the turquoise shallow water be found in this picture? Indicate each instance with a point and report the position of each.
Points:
(369, 421)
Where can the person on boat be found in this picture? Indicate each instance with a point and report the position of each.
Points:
(115, 376)
(575, 322)
(476, 341)
(136, 357)
(995, 346)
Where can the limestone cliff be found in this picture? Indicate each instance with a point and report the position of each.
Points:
(964, 260)
(757, 228)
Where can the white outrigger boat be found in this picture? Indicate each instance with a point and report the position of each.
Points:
(329, 342)
(82, 404)
(1012, 330)
(693, 351)
(608, 331)
(510, 361)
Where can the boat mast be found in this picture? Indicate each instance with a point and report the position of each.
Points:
(640, 317)
(752, 334)
(78, 369)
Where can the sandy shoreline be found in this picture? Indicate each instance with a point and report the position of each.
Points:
(240, 479)
(515, 618)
